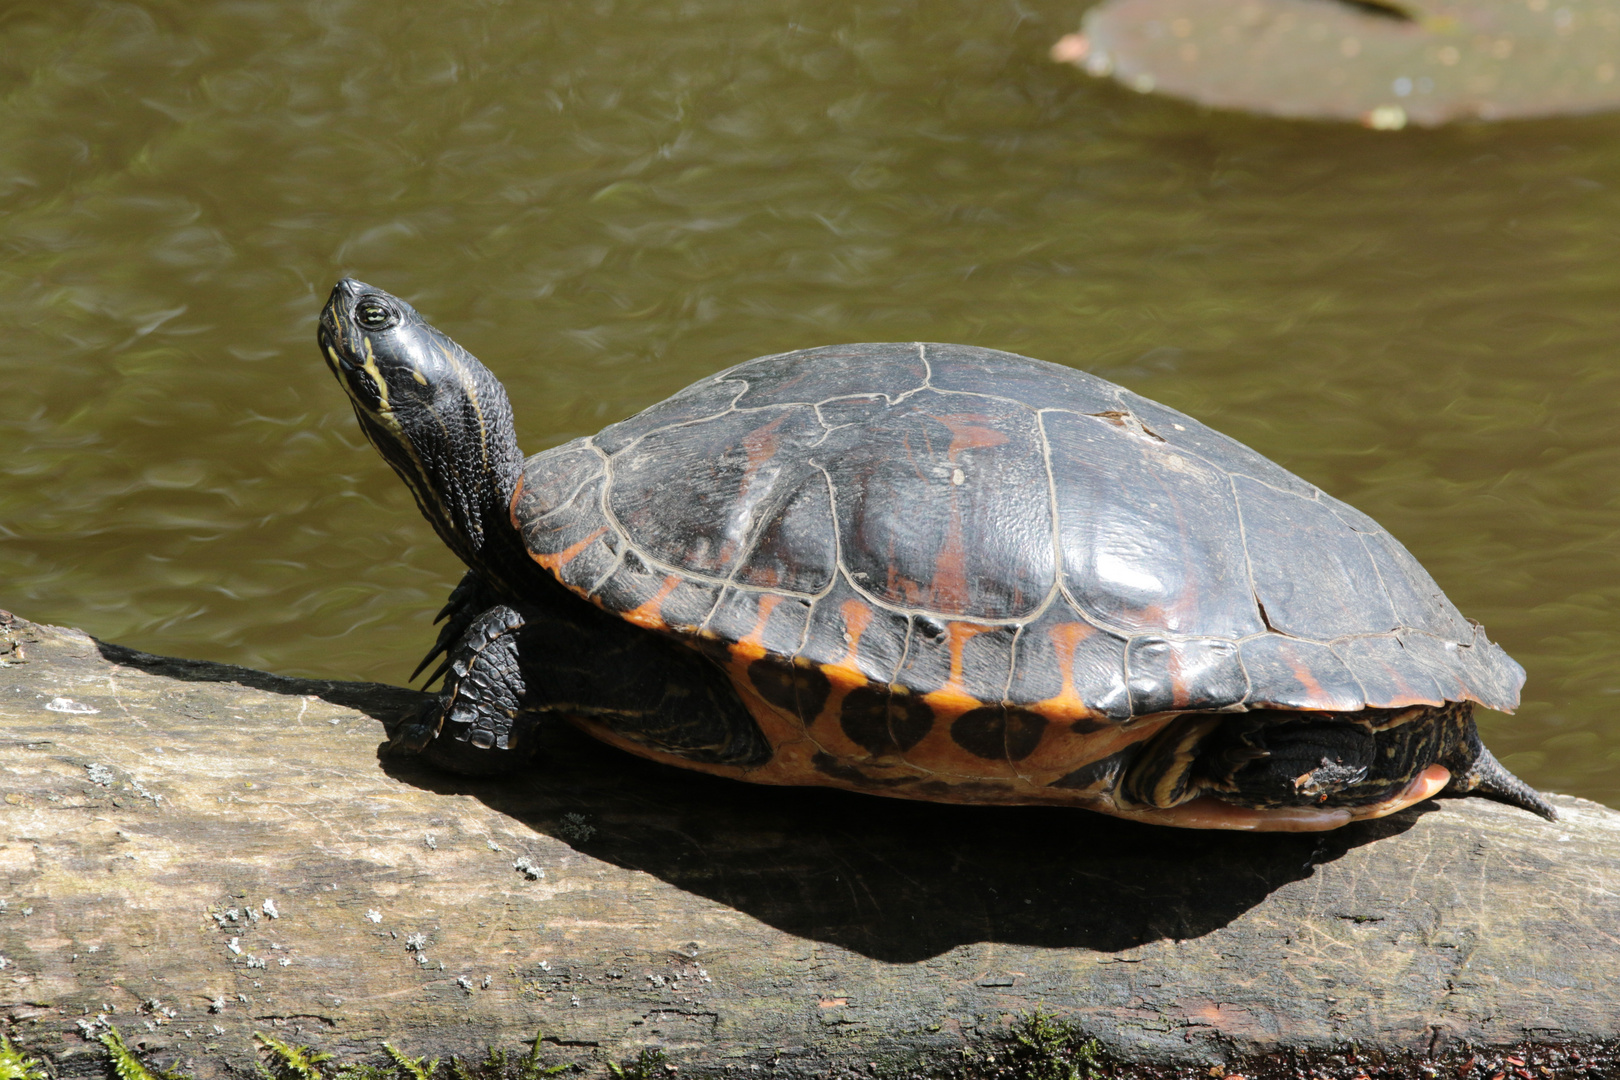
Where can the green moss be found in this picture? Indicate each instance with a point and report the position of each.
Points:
(1037, 1047)
(364, 1071)
(126, 1066)
(284, 1061)
(643, 1068)
(411, 1068)
(496, 1065)
(15, 1065)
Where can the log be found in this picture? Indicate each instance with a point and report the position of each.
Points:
(193, 852)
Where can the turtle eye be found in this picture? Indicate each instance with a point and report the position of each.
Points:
(373, 314)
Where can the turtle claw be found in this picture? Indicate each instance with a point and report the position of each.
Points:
(416, 729)
(1487, 777)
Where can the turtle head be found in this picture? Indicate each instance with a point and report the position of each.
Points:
(436, 414)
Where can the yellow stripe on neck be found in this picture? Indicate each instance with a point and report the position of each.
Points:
(385, 416)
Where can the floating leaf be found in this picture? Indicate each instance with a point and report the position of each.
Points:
(1385, 64)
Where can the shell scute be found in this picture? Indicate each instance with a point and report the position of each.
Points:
(1150, 536)
(555, 481)
(1071, 670)
(1221, 451)
(942, 505)
(1196, 674)
(797, 550)
(1416, 599)
(1313, 575)
(1387, 674)
(709, 397)
(1287, 673)
(694, 496)
(835, 371)
(965, 369)
(960, 665)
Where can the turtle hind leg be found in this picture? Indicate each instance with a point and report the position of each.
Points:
(1487, 777)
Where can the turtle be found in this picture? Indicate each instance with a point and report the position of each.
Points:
(925, 571)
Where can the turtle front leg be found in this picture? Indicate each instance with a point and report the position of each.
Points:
(477, 724)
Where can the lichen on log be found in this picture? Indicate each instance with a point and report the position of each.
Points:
(194, 853)
(1385, 64)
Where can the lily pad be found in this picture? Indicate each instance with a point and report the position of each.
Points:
(1385, 64)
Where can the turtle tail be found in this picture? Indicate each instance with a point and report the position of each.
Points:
(1487, 777)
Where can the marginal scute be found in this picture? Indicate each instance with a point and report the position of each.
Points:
(1174, 674)
(1387, 674)
(965, 661)
(1070, 669)
(853, 638)
(631, 586)
(1287, 673)
(774, 625)
(1416, 599)
(1439, 659)
(1494, 677)
(688, 604)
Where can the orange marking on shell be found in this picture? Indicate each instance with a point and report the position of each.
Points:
(969, 432)
(511, 506)
(647, 614)
(948, 590)
(751, 647)
(556, 562)
(760, 447)
(846, 674)
(953, 699)
(1308, 681)
(1066, 705)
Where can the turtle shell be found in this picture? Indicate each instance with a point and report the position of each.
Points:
(976, 564)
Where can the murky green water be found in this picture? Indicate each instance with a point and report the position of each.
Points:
(605, 200)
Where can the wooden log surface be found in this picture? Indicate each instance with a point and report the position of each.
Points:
(193, 852)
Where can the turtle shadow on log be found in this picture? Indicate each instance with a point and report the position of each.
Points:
(895, 880)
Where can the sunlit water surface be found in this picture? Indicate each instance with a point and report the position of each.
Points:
(608, 200)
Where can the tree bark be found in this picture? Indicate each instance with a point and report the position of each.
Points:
(193, 852)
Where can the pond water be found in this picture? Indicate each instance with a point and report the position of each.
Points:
(606, 200)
